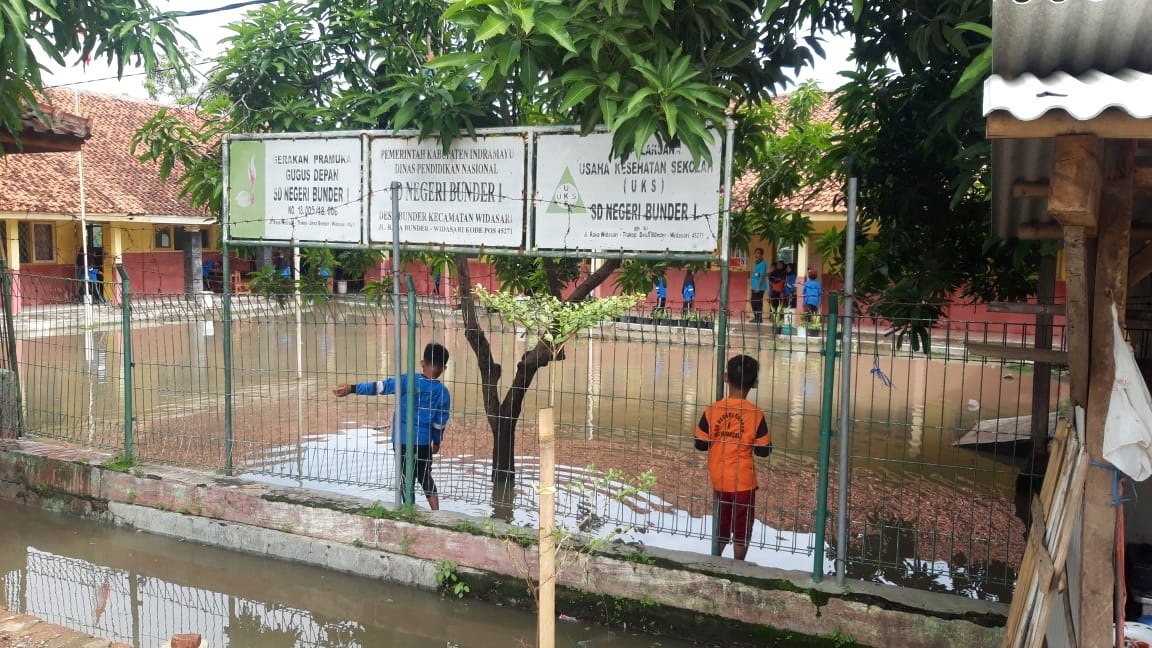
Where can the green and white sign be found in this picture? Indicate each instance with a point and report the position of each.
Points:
(295, 189)
(659, 201)
(471, 195)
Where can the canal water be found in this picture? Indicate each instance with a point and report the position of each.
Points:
(140, 589)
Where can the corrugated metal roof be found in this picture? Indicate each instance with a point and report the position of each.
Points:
(1073, 36)
(1078, 56)
(1084, 97)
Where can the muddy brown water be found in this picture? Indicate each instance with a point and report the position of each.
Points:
(140, 589)
(626, 403)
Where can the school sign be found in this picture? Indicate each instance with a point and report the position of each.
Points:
(528, 189)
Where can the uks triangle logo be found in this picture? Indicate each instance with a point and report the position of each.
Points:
(566, 199)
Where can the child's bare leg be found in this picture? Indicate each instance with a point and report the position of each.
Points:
(720, 545)
(434, 502)
(739, 551)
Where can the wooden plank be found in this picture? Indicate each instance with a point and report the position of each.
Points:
(1025, 308)
(1074, 190)
(1045, 568)
(1060, 500)
(1009, 352)
(1141, 180)
(1020, 614)
(1061, 543)
(1076, 307)
(1030, 190)
(1140, 265)
(1042, 372)
(1098, 535)
(1111, 124)
(1055, 232)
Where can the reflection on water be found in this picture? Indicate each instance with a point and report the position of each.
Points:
(364, 460)
(141, 589)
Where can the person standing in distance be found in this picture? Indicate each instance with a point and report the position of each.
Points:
(732, 431)
(688, 291)
(759, 284)
(432, 406)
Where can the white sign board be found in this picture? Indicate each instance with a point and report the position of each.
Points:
(473, 195)
(295, 189)
(659, 201)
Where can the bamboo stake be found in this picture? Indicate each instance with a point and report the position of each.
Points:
(546, 621)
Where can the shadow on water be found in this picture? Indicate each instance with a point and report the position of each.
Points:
(141, 589)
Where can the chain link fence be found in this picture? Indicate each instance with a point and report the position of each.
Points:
(938, 441)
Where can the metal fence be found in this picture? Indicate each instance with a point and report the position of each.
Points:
(627, 397)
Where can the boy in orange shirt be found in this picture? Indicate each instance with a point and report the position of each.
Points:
(732, 430)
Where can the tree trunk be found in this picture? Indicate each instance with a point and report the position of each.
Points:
(504, 414)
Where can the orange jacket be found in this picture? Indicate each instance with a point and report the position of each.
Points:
(732, 430)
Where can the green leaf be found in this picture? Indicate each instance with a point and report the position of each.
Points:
(576, 95)
(857, 9)
(670, 117)
(976, 71)
(494, 25)
(558, 32)
(636, 102)
(453, 60)
(978, 28)
(527, 16)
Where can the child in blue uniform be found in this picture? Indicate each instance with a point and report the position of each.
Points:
(432, 405)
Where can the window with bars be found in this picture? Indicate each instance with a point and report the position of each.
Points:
(37, 242)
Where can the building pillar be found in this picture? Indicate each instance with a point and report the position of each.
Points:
(193, 263)
(801, 265)
(114, 253)
(12, 255)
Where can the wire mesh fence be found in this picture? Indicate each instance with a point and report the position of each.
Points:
(926, 507)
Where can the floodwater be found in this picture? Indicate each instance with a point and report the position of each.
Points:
(140, 589)
(624, 402)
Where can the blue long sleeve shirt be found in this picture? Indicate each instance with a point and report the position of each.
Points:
(433, 403)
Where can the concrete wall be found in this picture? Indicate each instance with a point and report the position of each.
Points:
(681, 593)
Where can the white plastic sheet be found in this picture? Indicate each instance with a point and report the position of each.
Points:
(1128, 430)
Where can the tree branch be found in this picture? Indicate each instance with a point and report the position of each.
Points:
(595, 279)
(530, 363)
(552, 277)
(490, 370)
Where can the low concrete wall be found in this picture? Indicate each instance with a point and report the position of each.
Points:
(677, 592)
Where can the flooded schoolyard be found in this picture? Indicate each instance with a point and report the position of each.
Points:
(923, 512)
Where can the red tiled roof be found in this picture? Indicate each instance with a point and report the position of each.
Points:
(826, 197)
(115, 182)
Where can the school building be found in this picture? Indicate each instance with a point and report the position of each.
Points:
(56, 198)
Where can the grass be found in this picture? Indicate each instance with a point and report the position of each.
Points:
(121, 463)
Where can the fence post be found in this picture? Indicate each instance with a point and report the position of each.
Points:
(126, 326)
(410, 398)
(10, 328)
(226, 326)
(829, 353)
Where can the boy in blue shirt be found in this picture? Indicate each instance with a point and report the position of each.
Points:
(432, 405)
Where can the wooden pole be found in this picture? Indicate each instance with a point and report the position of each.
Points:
(1042, 374)
(1097, 611)
(546, 621)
